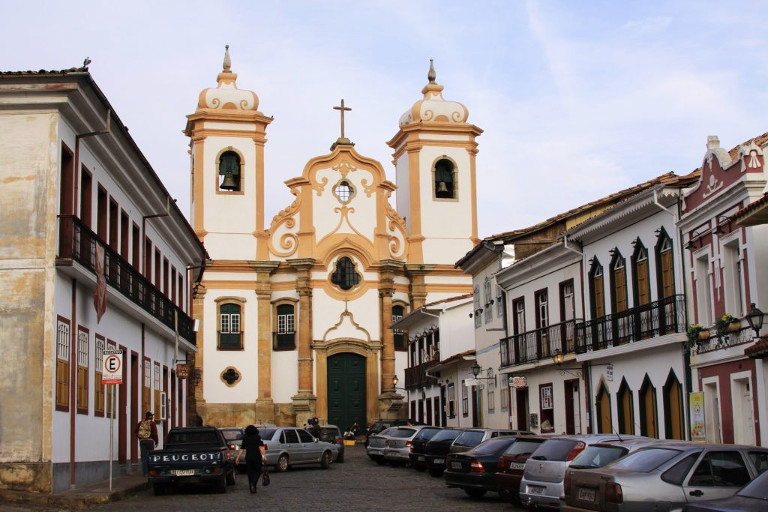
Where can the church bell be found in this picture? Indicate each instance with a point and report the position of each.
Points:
(229, 183)
(442, 188)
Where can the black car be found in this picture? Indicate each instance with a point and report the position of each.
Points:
(474, 471)
(437, 449)
(418, 447)
(753, 497)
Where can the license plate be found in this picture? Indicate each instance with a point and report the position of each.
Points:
(535, 489)
(183, 472)
(439, 461)
(586, 494)
(420, 458)
(455, 465)
(516, 465)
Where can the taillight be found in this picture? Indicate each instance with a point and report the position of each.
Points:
(567, 484)
(613, 493)
(476, 466)
(339, 440)
(576, 450)
(410, 449)
(407, 443)
(228, 454)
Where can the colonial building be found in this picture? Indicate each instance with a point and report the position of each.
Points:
(295, 313)
(95, 256)
(725, 275)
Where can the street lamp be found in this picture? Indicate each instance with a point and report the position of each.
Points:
(477, 369)
(755, 319)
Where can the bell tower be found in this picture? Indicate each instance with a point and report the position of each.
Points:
(434, 154)
(227, 136)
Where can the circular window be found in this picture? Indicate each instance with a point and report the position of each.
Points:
(344, 191)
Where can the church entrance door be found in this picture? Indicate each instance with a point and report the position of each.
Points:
(346, 390)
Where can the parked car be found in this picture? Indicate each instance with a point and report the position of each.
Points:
(332, 434)
(474, 470)
(542, 482)
(398, 445)
(192, 455)
(751, 498)
(376, 444)
(512, 464)
(290, 446)
(233, 435)
(417, 455)
(474, 436)
(379, 426)
(665, 476)
(437, 448)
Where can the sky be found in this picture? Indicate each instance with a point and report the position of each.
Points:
(577, 100)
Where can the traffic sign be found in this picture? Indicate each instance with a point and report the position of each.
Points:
(112, 371)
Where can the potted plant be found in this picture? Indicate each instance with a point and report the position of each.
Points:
(697, 333)
(727, 323)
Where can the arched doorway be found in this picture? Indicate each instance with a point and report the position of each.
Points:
(603, 406)
(346, 390)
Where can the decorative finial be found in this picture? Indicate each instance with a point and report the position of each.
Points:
(227, 60)
(431, 75)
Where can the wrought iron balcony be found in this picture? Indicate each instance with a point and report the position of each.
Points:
(416, 376)
(542, 343)
(78, 243)
(657, 318)
(724, 340)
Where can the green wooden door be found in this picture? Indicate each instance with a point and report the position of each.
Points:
(346, 390)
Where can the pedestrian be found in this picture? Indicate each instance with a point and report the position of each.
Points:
(146, 433)
(315, 429)
(254, 455)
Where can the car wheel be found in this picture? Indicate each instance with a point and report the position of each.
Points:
(380, 461)
(282, 463)
(221, 485)
(475, 493)
(419, 467)
(436, 472)
(326, 460)
(341, 458)
(158, 489)
(232, 477)
(395, 463)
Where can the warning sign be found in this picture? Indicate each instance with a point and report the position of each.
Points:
(113, 367)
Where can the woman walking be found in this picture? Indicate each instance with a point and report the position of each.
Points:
(254, 453)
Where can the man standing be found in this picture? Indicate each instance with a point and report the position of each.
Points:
(146, 432)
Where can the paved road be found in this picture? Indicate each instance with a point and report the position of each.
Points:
(358, 484)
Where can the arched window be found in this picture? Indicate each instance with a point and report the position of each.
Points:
(673, 408)
(229, 171)
(665, 282)
(641, 290)
(649, 425)
(622, 326)
(625, 406)
(285, 332)
(444, 179)
(398, 312)
(230, 331)
(478, 309)
(345, 276)
(596, 289)
(488, 300)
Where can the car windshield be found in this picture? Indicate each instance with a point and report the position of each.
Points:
(267, 433)
(469, 438)
(757, 488)
(449, 433)
(524, 447)
(329, 434)
(232, 434)
(597, 456)
(646, 460)
(402, 432)
(428, 433)
(493, 446)
(554, 449)
(384, 432)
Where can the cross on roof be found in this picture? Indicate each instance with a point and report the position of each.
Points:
(342, 109)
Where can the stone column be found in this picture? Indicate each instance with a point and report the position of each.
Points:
(304, 400)
(264, 407)
(418, 291)
(195, 399)
(390, 402)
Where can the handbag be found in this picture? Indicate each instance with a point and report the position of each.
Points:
(265, 478)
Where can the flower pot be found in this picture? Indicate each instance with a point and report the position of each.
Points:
(734, 326)
(703, 335)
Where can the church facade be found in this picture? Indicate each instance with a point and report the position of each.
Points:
(294, 314)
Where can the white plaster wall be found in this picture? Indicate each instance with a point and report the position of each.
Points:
(285, 375)
(456, 331)
(403, 193)
(327, 313)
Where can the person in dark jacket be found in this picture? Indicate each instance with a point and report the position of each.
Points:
(254, 453)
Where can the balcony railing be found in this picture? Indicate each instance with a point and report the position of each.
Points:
(542, 343)
(657, 318)
(78, 243)
(416, 376)
(741, 336)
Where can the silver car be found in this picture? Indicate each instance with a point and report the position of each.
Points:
(398, 444)
(290, 446)
(542, 482)
(377, 443)
(664, 476)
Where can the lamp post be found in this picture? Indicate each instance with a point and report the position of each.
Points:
(755, 319)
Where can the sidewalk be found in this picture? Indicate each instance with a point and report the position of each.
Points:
(82, 496)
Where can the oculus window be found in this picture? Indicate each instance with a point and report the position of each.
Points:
(345, 276)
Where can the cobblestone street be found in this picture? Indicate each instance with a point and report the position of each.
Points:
(357, 484)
